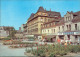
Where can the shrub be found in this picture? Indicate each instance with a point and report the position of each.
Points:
(52, 55)
(28, 51)
(40, 52)
(62, 53)
(58, 49)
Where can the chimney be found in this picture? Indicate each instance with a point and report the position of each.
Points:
(71, 11)
(45, 9)
(68, 11)
(50, 9)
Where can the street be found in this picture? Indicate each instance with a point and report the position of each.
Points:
(5, 51)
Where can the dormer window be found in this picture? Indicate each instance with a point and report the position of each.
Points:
(66, 18)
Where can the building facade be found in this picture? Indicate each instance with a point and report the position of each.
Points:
(67, 29)
(41, 16)
(25, 33)
(70, 29)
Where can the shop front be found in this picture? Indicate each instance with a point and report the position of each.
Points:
(72, 36)
(50, 38)
(77, 37)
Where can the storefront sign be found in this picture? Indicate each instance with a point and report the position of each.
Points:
(29, 35)
(51, 34)
(69, 33)
(76, 33)
(60, 33)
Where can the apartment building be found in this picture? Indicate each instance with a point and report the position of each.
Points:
(49, 29)
(25, 33)
(41, 16)
(66, 30)
(69, 30)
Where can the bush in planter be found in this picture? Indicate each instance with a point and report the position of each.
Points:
(28, 51)
(40, 52)
(79, 48)
(52, 55)
(75, 49)
(43, 55)
(34, 52)
(62, 53)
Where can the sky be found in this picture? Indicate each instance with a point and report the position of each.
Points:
(16, 12)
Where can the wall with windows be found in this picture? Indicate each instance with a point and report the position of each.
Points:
(49, 31)
(68, 17)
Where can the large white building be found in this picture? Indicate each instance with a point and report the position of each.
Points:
(67, 29)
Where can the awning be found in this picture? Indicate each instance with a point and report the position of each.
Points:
(60, 35)
(50, 36)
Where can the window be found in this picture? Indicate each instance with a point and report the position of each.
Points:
(75, 26)
(45, 25)
(67, 27)
(54, 30)
(55, 16)
(54, 23)
(59, 28)
(76, 37)
(41, 19)
(48, 30)
(68, 37)
(50, 24)
(45, 30)
(63, 28)
(66, 18)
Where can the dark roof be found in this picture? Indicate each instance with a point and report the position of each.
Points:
(52, 14)
(32, 15)
(76, 13)
(76, 16)
(41, 9)
(61, 22)
(76, 19)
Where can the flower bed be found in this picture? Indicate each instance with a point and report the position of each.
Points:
(51, 51)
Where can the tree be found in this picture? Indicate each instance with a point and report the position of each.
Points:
(12, 33)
